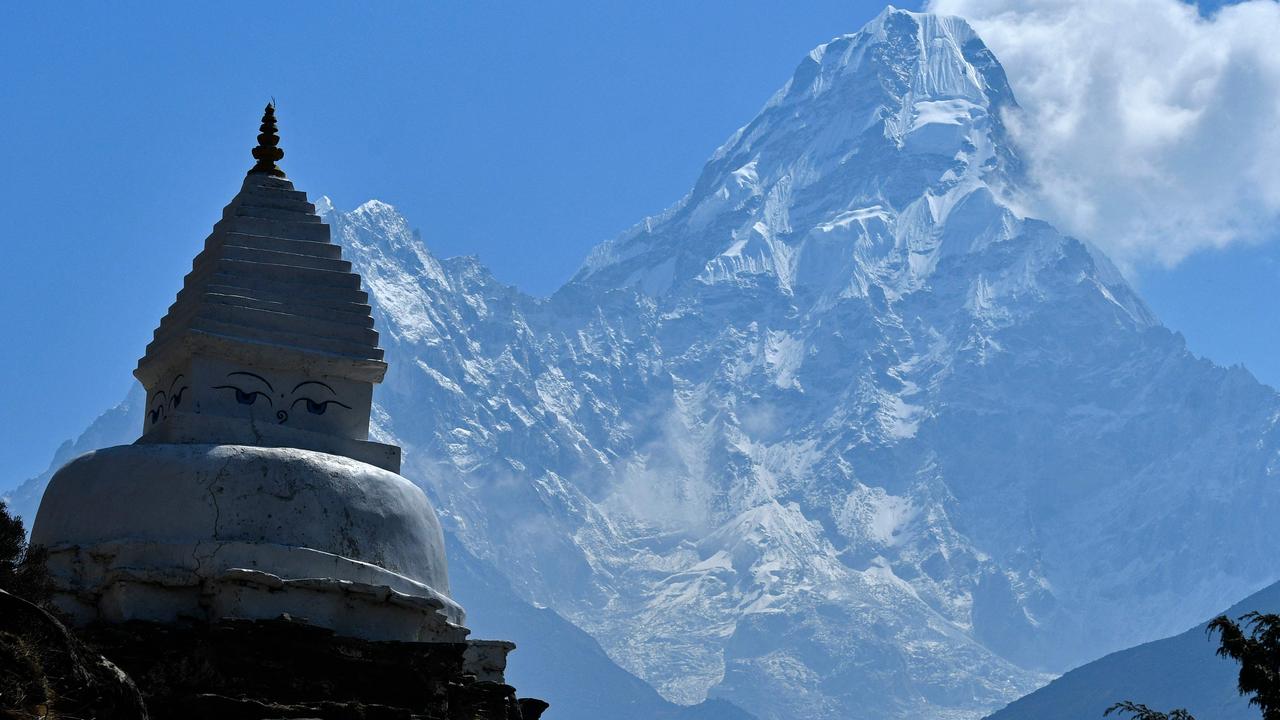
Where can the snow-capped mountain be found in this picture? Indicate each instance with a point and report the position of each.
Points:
(840, 434)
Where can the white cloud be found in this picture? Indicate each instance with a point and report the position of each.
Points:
(1150, 130)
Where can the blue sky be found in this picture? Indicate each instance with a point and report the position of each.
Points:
(523, 134)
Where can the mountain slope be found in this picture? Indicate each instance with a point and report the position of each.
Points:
(557, 661)
(1180, 671)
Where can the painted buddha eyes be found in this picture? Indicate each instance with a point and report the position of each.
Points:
(318, 408)
(249, 395)
(171, 399)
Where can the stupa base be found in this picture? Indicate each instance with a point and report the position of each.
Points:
(241, 669)
(244, 670)
(184, 583)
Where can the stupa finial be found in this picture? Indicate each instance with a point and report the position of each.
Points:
(268, 153)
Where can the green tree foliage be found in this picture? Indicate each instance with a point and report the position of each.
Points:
(22, 566)
(1142, 712)
(1254, 643)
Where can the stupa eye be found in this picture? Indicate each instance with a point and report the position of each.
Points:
(318, 408)
(249, 398)
(245, 397)
(175, 397)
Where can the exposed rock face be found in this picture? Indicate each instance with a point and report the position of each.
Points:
(557, 660)
(45, 672)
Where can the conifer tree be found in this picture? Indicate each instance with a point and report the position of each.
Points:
(1137, 711)
(22, 566)
(1254, 642)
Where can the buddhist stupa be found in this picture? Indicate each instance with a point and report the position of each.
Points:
(254, 491)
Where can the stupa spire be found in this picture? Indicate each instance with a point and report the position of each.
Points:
(268, 152)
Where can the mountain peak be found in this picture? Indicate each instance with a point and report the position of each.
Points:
(878, 134)
(912, 58)
(928, 28)
(324, 206)
(375, 207)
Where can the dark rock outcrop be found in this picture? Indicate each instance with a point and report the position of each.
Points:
(234, 670)
(46, 672)
(260, 670)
